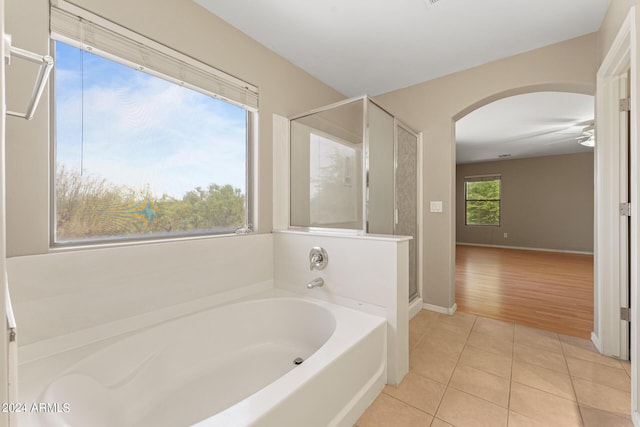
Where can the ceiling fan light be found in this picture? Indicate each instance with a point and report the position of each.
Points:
(588, 138)
(589, 142)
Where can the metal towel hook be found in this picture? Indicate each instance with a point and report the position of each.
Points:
(46, 64)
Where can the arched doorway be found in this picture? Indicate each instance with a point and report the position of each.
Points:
(524, 211)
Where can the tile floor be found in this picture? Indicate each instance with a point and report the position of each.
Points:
(473, 371)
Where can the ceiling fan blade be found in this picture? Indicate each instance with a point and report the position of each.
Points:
(568, 127)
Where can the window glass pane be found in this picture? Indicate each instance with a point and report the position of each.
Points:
(138, 156)
(483, 213)
(482, 202)
(483, 190)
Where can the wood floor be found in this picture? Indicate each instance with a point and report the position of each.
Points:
(545, 290)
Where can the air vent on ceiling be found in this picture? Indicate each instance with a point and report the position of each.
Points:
(431, 3)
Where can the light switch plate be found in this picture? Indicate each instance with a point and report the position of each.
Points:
(435, 206)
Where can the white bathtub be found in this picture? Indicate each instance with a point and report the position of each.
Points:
(228, 366)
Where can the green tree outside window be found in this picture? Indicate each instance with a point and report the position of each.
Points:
(482, 202)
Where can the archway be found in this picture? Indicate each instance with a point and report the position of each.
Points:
(522, 152)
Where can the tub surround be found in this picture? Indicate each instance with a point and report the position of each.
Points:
(61, 293)
(368, 273)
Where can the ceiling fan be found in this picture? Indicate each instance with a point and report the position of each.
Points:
(585, 138)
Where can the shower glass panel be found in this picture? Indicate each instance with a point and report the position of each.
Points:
(380, 170)
(326, 168)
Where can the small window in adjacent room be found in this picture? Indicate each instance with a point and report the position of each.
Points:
(144, 151)
(482, 200)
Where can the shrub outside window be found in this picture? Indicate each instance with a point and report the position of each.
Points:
(482, 200)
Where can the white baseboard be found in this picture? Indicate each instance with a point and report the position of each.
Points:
(522, 248)
(438, 309)
(414, 307)
(596, 341)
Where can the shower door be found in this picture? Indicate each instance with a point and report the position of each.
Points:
(406, 194)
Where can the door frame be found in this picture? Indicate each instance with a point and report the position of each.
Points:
(609, 331)
(4, 336)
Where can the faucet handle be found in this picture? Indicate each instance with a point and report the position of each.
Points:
(318, 258)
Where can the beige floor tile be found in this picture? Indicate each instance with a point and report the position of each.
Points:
(578, 342)
(596, 418)
(601, 374)
(487, 361)
(462, 409)
(494, 328)
(452, 326)
(418, 391)
(537, 338)
(543, 379)
(626, 365)
(543, 407)
(537, 331)
(415, 335)
(490, 343)
(481, 384)
(460, 315)
(386, 411)
(442, 341)
(576, 351)
(432, 364)
(439, 423)
(460, 319)
(423, 320)
(540, 357)
(602, 397)
(519, 420)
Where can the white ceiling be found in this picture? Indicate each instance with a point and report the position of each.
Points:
(529, 125)
(376, 46)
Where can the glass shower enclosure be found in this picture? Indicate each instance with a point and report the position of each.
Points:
(354, 168)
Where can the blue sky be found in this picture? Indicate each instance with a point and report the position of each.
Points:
(138, 130)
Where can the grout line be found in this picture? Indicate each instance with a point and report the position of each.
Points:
(408, 404)
(456, 365)
(573, 387)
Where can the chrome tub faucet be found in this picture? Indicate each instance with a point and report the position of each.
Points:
(316, 283)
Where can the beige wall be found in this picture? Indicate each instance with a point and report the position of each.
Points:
(546, 203)
(179, 24)
(433, 107)
(616, 14)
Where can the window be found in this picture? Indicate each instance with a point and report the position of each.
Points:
(482, 200)
(140, 153)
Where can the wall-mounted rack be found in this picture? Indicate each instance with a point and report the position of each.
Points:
(46, 64)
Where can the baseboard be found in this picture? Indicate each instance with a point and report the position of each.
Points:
(438, 309)
(596, 341)
(414, 307)
(522, 248)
